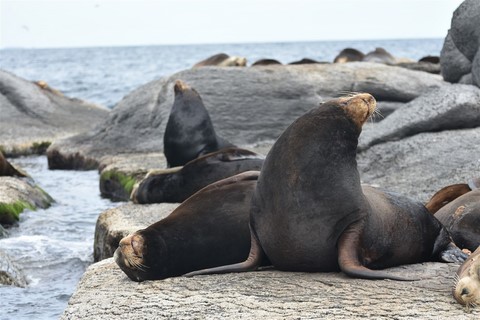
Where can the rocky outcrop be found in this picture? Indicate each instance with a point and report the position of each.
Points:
(264, 100)
(105, 292)
(114, 224)
(422, 164)
(34, 115)
(460, 56)
(17, 195)
(10, 274)
(451, 107)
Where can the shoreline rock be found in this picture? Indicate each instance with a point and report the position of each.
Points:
(34, 115)
(18, 194)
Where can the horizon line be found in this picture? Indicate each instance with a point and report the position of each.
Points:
(213, 43)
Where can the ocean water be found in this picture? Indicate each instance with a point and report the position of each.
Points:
(54, 246)
(105, 75)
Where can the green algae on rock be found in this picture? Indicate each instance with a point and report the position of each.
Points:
(16, 195)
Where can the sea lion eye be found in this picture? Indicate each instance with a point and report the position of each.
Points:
(464, 292)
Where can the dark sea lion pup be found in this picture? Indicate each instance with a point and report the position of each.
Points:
(467, 282)
(177, 184)
(189, 132)
(457, 207)
(310, 214)
(209, 229)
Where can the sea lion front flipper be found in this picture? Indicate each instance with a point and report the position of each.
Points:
(254, 260)
(348, 256)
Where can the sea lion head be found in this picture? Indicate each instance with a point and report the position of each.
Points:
(359, 107)
(467, 288)
(130, 255)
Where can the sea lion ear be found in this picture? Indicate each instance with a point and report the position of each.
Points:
(138, 245)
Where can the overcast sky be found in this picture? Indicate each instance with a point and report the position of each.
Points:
(74, 23)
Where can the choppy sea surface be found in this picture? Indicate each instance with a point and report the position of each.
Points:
(54, 246)
(105, 75)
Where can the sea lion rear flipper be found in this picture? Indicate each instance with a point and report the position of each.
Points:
(453, 254)
(446, 195)
(349, 260)
(254, 260)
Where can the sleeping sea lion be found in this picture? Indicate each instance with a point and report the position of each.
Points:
(209, 229)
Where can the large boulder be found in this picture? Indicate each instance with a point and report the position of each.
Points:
(422, 164)
(462, 45)
(105, 292)
(451, 107)
(33, 115)
(257, 102)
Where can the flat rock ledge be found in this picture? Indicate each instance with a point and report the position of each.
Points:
(105, 292)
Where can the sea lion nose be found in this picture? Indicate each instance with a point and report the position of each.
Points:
(464, 292)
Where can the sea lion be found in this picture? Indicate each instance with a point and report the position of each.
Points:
(189, 132)
(177, 185)
(430, 59)
(306, 61)
(467, 281)
(349, 55)
(459, 211)
(379, 55)
(222, 60)
(7, 169)
(208, 229)
(310, 214)
(266, 62)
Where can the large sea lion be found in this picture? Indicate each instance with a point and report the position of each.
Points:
(222, 60)
(176, 185)
(457, 207)
(309, 212)
(379, 55)
(208, 229)
(189, 132)
(349, 55)
(7, 169)
(467, 281)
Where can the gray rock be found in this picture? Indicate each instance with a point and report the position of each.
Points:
(114, 224)
(420, 165)
(466, 79)
(465, 29)
(452, 107)
(17, 194)
(33, 115)
(476, 70)
(105, 292)
(10, 274)
(264, 101)
(462, 44)
(119, 173)
(453, 64)
(421, 66)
